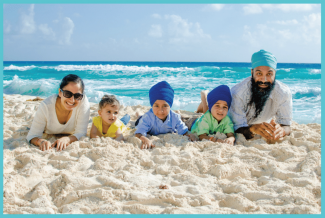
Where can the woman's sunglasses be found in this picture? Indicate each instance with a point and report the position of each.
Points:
(68, 94)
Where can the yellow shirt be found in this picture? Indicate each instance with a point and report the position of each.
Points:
(98, 122)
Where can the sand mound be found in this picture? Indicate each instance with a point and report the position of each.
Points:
(96, 176)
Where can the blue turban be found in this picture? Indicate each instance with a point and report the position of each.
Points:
(161, 91)
(263, 58)
(221, 92)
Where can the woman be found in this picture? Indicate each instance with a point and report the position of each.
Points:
(65, 113)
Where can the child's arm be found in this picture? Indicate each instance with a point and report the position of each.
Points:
(205, 136)
(119, 135)
(94, 132)
(146, 143)
(190, 136)
(230, 138)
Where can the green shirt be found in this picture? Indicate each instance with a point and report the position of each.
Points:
(209, 125)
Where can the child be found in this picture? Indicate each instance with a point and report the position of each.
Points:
(216, 119)
(160, 119)
(107, 124)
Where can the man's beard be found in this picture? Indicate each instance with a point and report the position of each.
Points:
(259, 96)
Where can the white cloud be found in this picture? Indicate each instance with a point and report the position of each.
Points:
(217, 7)
(155, 31)
(252, 9)
(181, 30)
(178, 27)
(303, 32)
(258, 8)
(6, 27)
(47, 31)
(250, 37)
(27, 21)
(313, 20)
(295, 7)
(156, 16)
(312, 28)
(213, 7)
(67, 31)
(286, 22)
(285, 34)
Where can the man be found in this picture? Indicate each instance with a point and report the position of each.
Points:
(257, 99)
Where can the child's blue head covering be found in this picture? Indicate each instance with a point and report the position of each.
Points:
(221, 92)
(263, 58)
(161, 91)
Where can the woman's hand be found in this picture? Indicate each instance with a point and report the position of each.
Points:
(41, 143)
(61, 143)
(44, 145)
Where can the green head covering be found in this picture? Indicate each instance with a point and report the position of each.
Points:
(263, 58)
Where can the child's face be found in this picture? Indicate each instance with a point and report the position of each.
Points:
(219, 110)
(161, 109)
(109, 113)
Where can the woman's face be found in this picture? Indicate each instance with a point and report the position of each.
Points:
(70, 103)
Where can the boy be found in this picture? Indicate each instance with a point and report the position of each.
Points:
(216, 118)
(160, 119)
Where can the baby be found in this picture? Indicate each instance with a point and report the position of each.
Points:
(107, 124)
(160, 119)
(216, 118)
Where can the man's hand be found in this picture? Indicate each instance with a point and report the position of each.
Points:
(264, 129)
(279, 130)
(146, 143)
(271, 131)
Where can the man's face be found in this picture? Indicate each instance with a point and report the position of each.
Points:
(263, 76)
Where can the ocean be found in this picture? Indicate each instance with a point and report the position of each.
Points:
(131, 81)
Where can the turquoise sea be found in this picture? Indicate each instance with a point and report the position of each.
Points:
(131, 81)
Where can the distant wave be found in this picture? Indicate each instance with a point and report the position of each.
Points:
(100, 67)
(305, 90)
(23, 68)
(315, 71)
(286, 69)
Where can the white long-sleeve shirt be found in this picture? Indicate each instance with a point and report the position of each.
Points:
(46, 120)
(279, 105)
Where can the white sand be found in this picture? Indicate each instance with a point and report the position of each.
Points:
(104, 176)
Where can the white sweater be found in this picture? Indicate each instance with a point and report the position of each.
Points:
(45, 120)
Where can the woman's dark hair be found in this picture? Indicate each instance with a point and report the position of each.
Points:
(108, 100)
(72, 78)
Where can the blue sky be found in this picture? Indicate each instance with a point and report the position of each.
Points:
(161, 32)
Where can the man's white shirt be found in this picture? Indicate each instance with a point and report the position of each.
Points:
(279, 105)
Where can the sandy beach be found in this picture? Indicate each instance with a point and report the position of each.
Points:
(103, 176)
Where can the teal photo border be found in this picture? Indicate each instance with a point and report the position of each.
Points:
(157, 2)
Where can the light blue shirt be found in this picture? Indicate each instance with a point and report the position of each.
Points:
(151, 124)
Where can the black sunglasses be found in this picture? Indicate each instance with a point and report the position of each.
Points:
(68, 94)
